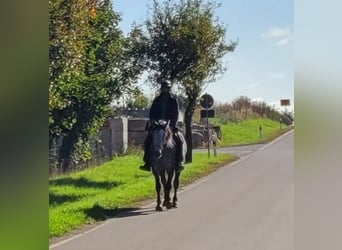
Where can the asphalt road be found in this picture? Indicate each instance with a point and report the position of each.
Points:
(240, 151)
(247, 205)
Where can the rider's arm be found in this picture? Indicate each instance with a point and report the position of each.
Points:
(153, 110)
(174, 112)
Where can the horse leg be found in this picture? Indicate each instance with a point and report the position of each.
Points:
(166, 192)
(158, 188)
(163, 181)
(168, 204)
(175, 188)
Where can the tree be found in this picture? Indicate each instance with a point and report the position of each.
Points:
(90, 64)
(137, 99)
(243, 105)
(186, 44)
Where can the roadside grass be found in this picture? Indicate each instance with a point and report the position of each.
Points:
(247, 132)
(102, 192)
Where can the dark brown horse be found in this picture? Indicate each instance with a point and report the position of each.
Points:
(162, 156)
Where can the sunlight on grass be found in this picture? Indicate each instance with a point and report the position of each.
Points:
(247, 132)
(87, 196)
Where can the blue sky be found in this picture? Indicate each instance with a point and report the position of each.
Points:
(262, 65)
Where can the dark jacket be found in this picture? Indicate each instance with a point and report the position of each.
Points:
(172, 109)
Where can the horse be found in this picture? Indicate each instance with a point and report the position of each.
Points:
(162, 153)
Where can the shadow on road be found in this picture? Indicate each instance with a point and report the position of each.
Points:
(99, 213)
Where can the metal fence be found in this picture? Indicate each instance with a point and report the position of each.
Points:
(100, 148)
(113, 139)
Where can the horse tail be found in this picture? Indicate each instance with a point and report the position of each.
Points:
(182, 139)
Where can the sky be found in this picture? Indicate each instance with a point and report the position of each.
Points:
(262, 65)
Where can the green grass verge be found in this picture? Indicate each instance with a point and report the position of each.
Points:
(247, 132)
(101, 192)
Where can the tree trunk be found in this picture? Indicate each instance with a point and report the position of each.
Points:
(67, 147)
(188, 139)
(188, 131)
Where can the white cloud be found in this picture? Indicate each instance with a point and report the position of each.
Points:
(248, 86)
(258, 99)
(282, 33)
(277, 75)
(277, 32)
(276, 105)
(284, 41)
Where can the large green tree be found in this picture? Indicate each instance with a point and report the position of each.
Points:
(91, 63)
(186, 44)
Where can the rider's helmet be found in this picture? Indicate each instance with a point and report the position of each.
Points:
(166, 84)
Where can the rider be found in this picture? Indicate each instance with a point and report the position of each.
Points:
(164, 107)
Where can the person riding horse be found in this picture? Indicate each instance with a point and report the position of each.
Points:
(164, 107)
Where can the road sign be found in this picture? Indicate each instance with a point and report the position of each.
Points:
(206, 101)
(285, 102)
(211, 113)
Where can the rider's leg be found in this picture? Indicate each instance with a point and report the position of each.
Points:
(147, 165)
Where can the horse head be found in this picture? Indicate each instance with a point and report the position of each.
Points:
(161, 137)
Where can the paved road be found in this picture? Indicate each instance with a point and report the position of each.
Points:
(240, 151)
(247, 205)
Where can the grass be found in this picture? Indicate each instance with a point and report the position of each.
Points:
(101, 192)
(247, 132)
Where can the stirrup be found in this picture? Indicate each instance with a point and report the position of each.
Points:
(145, 167)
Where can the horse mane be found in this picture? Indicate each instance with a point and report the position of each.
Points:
(170, 143)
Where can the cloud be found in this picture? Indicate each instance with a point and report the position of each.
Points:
(284, 41)
(258, 99)
(276, 105)
(277, 32)
(248, 86)
(282, 33)
(277, 75)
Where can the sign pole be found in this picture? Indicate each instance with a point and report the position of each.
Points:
(207, 107)
(206, 102)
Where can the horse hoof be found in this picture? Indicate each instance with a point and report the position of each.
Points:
(169, 205)
(174, 205)
(159, 208)
(164, 204)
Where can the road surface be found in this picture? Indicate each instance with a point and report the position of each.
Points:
(247, 205)
(240, 151)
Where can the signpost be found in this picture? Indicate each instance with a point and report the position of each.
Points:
(207, 113)
(207, 101)
(285, 102)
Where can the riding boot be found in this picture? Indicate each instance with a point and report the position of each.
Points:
(147, 165)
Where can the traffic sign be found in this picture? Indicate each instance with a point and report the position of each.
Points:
(206, 101)
(285, 102)
(211, 113)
